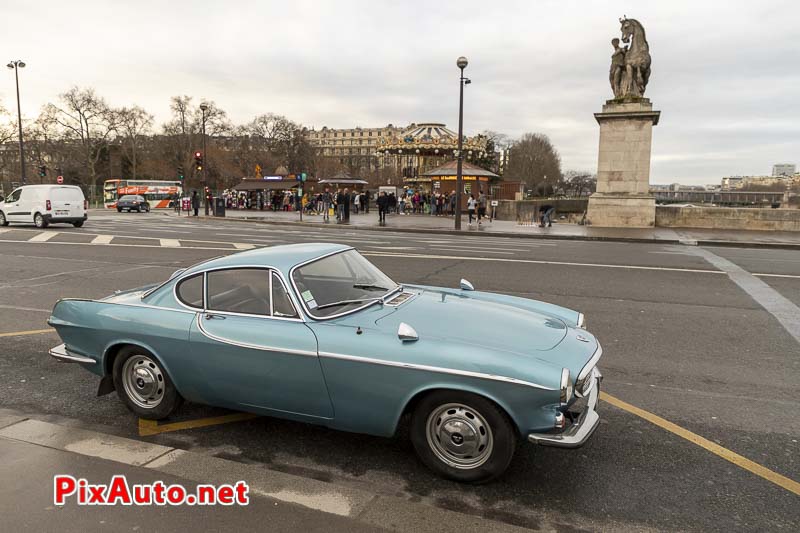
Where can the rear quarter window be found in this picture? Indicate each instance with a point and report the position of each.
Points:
(190, 291)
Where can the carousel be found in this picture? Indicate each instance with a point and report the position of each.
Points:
(423, 147)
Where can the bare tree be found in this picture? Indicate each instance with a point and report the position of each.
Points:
(536, 162)
(87, 120)
(579, 183)
(135, 123)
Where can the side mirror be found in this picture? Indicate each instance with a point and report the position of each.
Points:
(406, 333)
(466, 285)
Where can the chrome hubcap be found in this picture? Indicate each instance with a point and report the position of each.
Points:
(143, 381)
(459, 436)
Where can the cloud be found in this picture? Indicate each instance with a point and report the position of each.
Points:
(724, 75)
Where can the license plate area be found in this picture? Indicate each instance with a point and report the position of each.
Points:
(61, 213)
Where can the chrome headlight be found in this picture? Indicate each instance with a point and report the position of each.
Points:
(566, 386)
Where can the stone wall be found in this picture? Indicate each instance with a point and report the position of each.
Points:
(728, 218)
(526, 209)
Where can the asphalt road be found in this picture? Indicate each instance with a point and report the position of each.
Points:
(682, 339)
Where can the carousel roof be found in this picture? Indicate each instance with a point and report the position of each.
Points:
(467, 169)
(344, 179)
(430, 137)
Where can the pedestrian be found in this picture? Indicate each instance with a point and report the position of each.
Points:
(347, 200)
(392, 202)
(547, 215)
(356, 203)
(326, 204)
(195, 203)
(481, 206)
(383, 205)
(367, 200)
(452, 203)
(471, 203)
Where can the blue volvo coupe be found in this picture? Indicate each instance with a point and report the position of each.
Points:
(316, 333)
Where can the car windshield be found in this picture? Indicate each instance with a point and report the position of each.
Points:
(340, 283)
(129, 198)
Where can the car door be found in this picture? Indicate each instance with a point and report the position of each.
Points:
(14, 212)
(67, 201)
(252, 347)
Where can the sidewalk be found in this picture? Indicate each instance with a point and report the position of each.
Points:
(33, 451)
(504, 228)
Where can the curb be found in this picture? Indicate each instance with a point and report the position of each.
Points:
(389, 511)
(588, 238)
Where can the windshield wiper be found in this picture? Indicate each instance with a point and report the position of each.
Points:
(347, 302)
(370, 287)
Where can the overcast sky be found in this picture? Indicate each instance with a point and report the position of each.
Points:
(725, 74)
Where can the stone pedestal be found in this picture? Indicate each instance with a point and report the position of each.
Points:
(623, 169)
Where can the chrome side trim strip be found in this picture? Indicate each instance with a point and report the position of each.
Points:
(263, 348)
(60, 353)
(437, 369)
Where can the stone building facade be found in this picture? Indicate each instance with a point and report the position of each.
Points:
(355, 146)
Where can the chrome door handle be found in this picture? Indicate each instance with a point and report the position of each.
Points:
(209, 316)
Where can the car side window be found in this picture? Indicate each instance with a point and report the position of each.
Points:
(14, 196)
(281, 304)
(190, 291)
(239, 290)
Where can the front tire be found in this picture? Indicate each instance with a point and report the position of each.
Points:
(462, 436)
(143, 385)
(39, 221)
(3, 219)
(78, 224)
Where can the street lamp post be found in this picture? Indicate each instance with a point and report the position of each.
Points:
(203, 109)
(462, 64)
(16, 65)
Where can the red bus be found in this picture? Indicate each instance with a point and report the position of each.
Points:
(159, 194)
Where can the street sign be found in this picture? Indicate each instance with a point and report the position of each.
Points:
(60, 180)
(495, 203)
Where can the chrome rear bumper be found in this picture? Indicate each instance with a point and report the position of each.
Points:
(580, 431)
(61, 353)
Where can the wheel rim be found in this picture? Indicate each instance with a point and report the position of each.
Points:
(38, 221)
(459, 436)
(2, 219)
(143, 381)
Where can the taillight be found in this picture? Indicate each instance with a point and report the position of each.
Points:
(86, 205)
(48, 205)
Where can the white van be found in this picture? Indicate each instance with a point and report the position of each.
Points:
(42, 205)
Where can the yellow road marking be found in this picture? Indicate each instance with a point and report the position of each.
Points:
(740, 461)
(29, 332)
(152, 427)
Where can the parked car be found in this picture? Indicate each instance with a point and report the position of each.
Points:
(43, 205)
(133, 202)
(317, 333)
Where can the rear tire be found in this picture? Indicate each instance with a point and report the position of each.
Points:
(3, 220)
(143, 385)
(39, 221)
(463, 436)
(78, 224)
(119, 210)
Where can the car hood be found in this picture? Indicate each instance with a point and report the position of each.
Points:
(467, 318)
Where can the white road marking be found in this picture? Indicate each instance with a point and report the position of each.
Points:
(170, 243)
(43, 237)
(243, 246)
(561, 263)
(102, 239)
(780, 307)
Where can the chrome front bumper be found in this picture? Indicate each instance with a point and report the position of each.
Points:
(61, 353)
(580, 431)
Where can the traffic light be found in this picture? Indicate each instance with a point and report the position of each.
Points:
(198, 160)
(181, 174)
(303, 176)
(42, 171)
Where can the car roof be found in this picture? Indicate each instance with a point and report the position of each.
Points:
(46, 185)
(282, 257)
